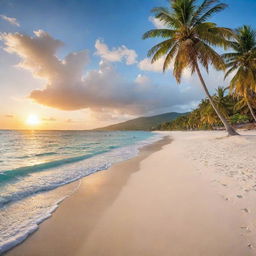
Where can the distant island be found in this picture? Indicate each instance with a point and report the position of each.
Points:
(142, 123)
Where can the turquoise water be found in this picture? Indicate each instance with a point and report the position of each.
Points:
(34, 165)
(21, 149)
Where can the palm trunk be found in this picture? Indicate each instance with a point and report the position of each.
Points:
(230, 130)
(251, 110)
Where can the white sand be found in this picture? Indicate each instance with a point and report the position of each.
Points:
(229, 163)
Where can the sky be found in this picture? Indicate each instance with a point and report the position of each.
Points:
(82, 64)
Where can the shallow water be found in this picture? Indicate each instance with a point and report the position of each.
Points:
(35, 165)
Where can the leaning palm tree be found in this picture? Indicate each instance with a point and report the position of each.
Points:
(242, 62)
(188, 41)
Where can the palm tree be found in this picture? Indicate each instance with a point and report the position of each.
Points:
(245, 105)
(242, 62)
(223, 101)
(194, 119)
(188, 40)
(208, 116)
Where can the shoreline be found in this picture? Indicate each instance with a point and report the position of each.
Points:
(153, 204)
(51, 199)
(144, 151)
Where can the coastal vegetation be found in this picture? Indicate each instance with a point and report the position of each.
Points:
(235, 110)
(241, 62)
(189, 42)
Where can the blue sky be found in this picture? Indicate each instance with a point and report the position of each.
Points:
(78, 24)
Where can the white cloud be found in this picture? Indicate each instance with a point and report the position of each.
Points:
(146, 65)
(12, 21)
(157, 66)
(156, 22)
(116, 54)
(68, 87)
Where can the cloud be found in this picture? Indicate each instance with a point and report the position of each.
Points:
(119, 54)
(110, 117)
(146, 65)
(156, 22)
(69, 87)
(12, 21)
(157, 66)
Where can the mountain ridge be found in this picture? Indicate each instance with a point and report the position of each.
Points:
(144, 123)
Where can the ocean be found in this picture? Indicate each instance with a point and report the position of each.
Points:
(34, 166)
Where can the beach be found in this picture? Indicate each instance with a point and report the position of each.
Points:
(165, 201)
(128, 128)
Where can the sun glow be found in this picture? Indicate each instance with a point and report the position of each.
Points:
(33, 120)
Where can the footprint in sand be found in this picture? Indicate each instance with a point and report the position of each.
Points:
(249, 245)
(246, 229)
(245, 210)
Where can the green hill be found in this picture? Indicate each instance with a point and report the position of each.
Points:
(142, 123)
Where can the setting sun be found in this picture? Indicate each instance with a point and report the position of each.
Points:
(33, 120)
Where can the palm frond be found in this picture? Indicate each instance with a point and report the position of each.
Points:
(217, 8)
(160, 52)
(202, 9)
(184, 10)
(243, 61)
(213, 35)
(166, 43)
(185, 56)
(208, 55)
(165, 33)
(169, 57)
(229, 71)
(164, 15)
(230, 55)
